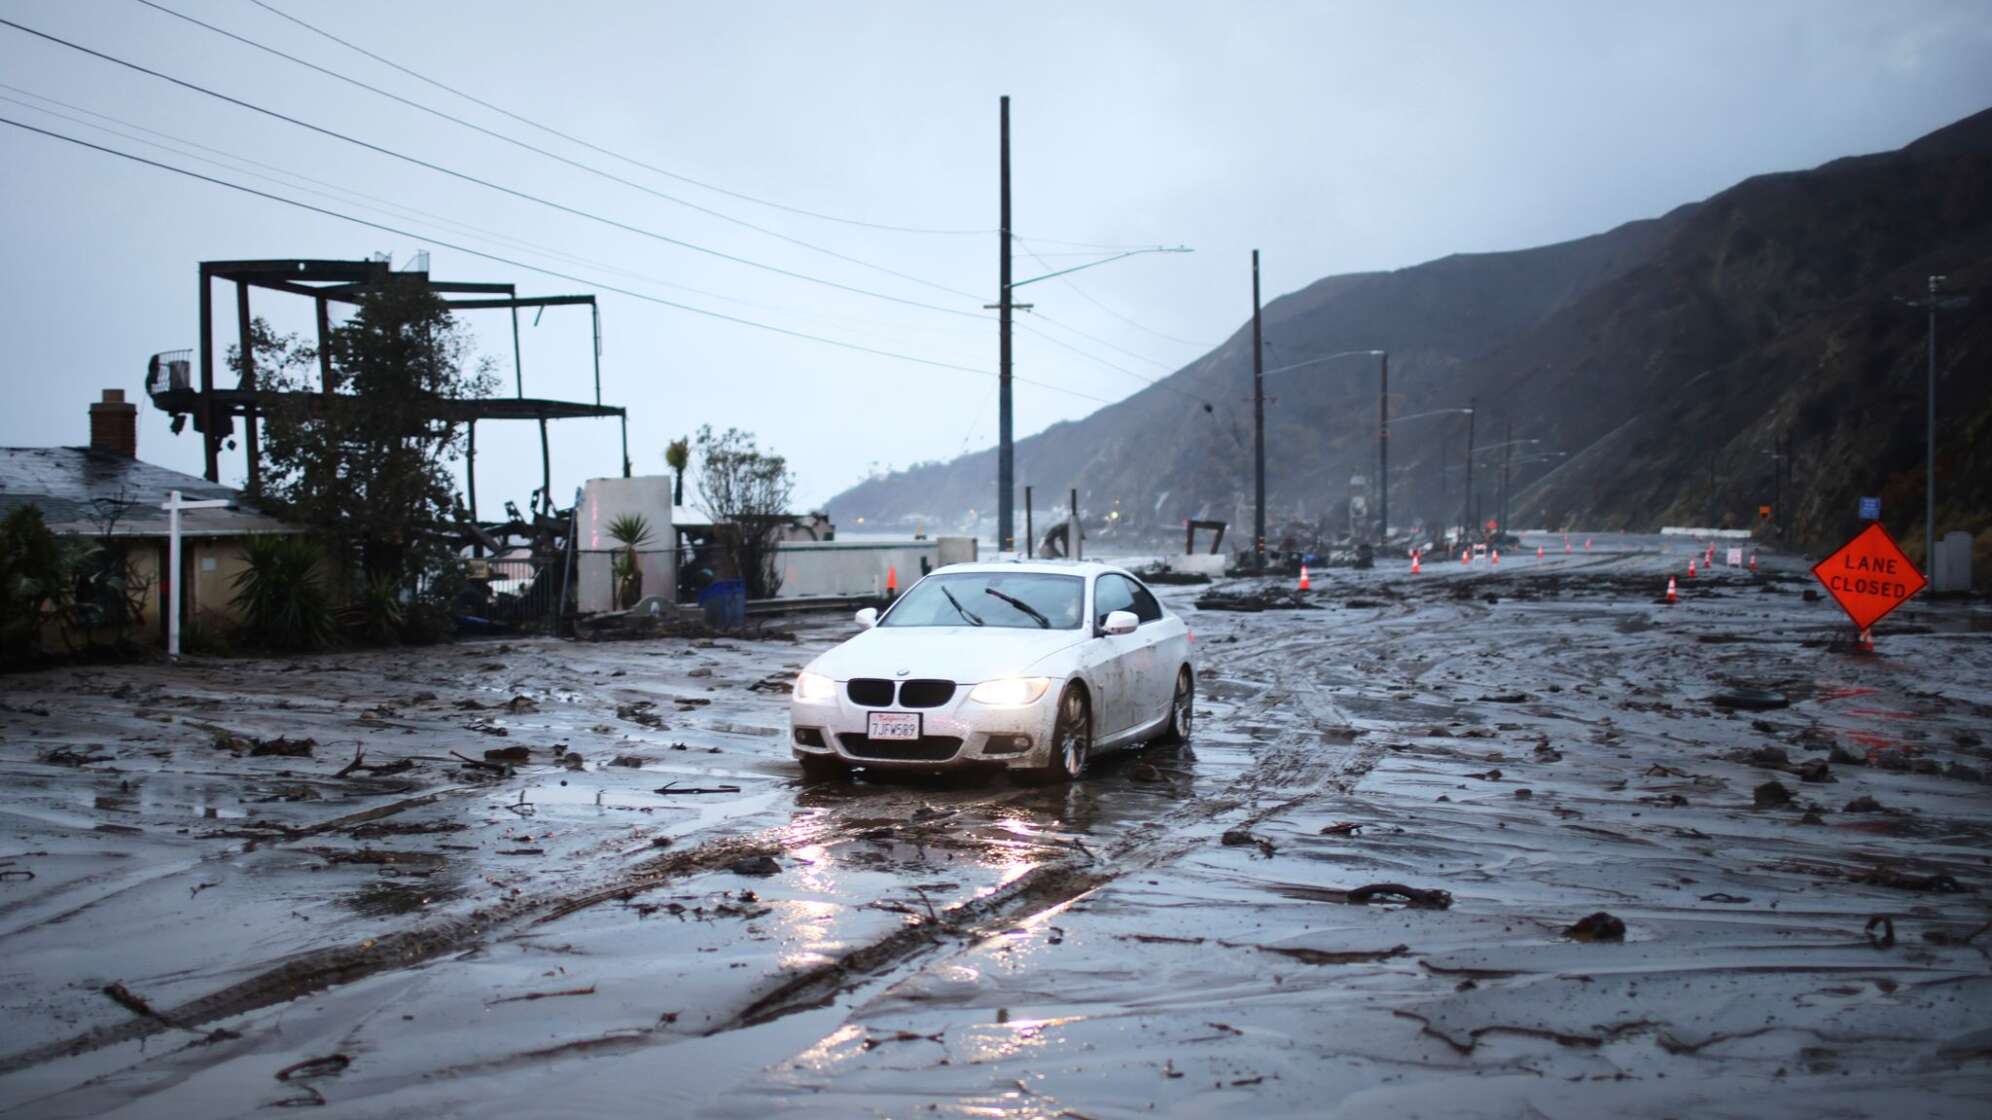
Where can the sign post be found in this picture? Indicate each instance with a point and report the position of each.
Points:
(174, 504)
(1870, 509)
(1869, 576)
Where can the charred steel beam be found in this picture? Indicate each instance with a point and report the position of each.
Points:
(522, 301)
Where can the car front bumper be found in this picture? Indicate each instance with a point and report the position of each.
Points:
(960, 733)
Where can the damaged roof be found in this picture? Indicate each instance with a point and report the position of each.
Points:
(80, 489)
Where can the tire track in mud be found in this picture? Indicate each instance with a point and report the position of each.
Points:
(1293, 764)
(322, 969)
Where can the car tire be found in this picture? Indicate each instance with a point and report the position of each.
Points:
(1182, 709)
(823, 768)
(1071, 738)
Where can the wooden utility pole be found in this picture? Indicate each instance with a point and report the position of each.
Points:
(1030, 536)
(1258, 427)
(1473, 413)
(1006, 452)
(1383, 451)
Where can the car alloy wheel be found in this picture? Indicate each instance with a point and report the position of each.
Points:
(1072, 738)
(1182, 709)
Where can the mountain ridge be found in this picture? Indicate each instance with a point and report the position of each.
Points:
(1660, 357)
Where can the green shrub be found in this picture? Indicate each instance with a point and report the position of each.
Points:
(283, 600)
(36, 579)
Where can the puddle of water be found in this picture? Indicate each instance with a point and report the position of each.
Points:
(388, 897)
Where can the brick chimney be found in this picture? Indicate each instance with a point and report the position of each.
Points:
(114, 425)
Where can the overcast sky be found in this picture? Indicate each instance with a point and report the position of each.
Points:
(1333, 137)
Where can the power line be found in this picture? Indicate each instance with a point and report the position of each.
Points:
(1043, 318)
(572, 139)
(542, 270)
(590, 168)
(419, 162)
(667, 173)
(381, 205)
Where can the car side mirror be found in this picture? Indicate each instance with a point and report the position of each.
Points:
(868, 618)
(1119, 622)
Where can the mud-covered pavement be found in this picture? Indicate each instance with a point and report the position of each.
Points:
(651, 911)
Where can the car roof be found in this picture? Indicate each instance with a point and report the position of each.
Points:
(1044, 567)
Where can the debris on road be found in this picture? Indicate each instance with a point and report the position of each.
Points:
(1600, 926)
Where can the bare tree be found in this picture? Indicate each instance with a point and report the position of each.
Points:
(746, 493)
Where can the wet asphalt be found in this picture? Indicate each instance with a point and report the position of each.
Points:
(1355, 890)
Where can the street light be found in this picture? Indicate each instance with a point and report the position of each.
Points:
(1006, 455)
(1382, 436)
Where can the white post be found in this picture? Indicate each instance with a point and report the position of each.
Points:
(174, 504)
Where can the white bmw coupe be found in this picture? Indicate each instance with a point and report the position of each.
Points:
(1023, 666)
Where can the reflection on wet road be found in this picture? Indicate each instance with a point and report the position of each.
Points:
(1355, 891)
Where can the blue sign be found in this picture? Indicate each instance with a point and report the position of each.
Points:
(1870, 509)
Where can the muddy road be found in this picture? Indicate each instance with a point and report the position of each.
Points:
(1483, 841)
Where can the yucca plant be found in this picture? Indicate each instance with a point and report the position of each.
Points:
(629, 530)
(378, 615)
(283, 601)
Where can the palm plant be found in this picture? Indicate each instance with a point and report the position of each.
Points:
(284, 602)
(629, 530)
(678, 456)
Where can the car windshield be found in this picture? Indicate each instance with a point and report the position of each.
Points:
(1020, 600)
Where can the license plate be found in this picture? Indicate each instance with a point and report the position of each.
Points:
(893, 725)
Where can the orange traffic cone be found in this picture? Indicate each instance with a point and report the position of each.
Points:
(1587, 544)
(1753, 561)
(1671, 596)
(891, 581)
(1494, 557)
(1466, 556)
(1415, 569)
(1691, 567)
(1304, 585)
(1538, 552)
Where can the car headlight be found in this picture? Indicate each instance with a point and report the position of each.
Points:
(1011, 692)
(814, 687)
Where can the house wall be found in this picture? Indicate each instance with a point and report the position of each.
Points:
(841, 568)
(210, 565)
(602, 501)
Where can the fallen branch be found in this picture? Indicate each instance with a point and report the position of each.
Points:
(1421, 899)
(480, 764)
(315, 1067)
(529, 996)
(674, 787)
(125, 998)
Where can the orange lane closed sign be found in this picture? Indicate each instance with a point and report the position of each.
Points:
(1869, 576)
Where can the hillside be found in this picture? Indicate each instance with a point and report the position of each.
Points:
(1663, 358)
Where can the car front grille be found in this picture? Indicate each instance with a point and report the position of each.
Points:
(925, 694)
(876, 692)
(927, 748)
(870, 692)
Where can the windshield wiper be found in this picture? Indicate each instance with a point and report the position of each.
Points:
(1043, 622)
(961, 610)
